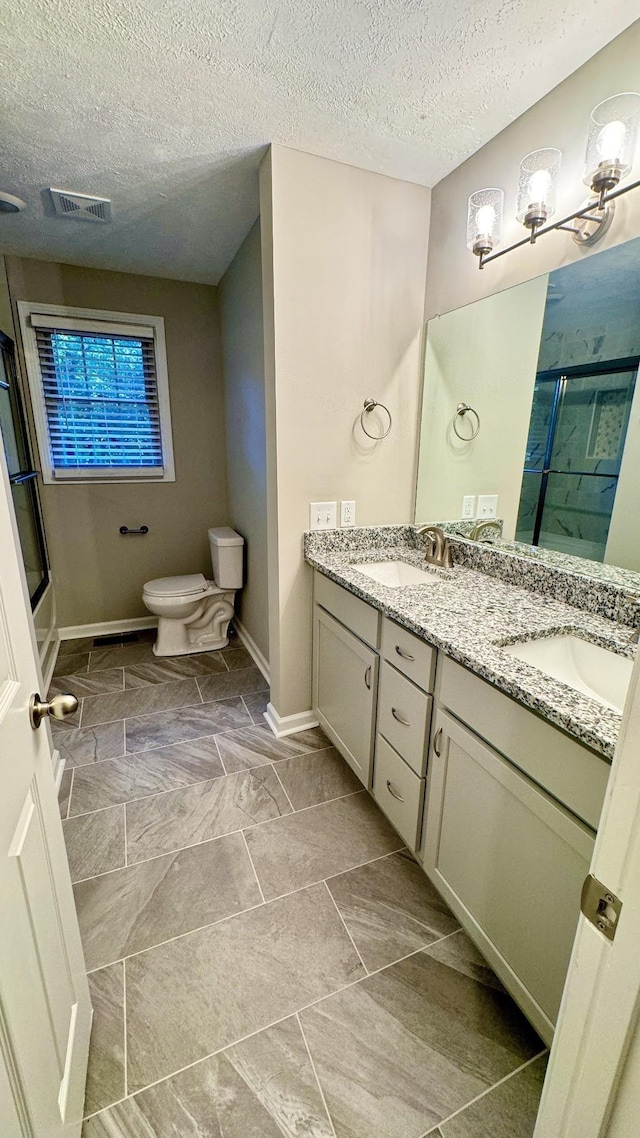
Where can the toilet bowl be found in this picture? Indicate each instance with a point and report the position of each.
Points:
(193, 613)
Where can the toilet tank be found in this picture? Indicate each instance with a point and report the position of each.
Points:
(226, 557)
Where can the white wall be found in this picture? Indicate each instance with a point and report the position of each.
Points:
(346, 253)
(560, 119)
(485, 355)
(623, 542)
(243, 361)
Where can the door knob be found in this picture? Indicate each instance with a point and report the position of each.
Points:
(57, 708)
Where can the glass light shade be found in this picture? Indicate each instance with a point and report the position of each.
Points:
(611, 144)
(484, 220)
(537, 186)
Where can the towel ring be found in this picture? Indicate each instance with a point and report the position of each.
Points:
(463, 409)
(369, 406)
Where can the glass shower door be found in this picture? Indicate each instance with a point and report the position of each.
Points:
(576, 442)
(22, 476)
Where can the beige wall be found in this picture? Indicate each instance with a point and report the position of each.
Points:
(6, 319)
(243, 355)
(347, 250)
(98, 573)
(560, 119)
(485, 355)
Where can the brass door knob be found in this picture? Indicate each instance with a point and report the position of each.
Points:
(57, 708)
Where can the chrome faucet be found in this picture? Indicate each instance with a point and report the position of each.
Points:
(438, 547)
(483, 527)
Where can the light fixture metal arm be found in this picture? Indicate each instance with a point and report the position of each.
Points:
(563, 223)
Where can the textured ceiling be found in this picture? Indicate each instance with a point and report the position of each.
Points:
(166, 106)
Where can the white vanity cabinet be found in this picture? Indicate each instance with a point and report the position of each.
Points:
(499, 842)
(345, 672)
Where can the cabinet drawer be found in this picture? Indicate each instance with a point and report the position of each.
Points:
(409, 654)
(404, 714)
(398, 791)
(570, 772)
(355, 614)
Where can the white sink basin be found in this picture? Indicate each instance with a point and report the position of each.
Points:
(395, 574)
(588, 668)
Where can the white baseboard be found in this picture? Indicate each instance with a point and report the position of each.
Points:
(252, 649)
(107, 627)
(282, 725)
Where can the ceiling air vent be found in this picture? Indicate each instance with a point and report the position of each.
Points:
(84, 207)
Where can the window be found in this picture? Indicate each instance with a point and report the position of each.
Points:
(100, 394)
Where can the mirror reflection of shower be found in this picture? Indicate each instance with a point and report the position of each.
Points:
(582, 403)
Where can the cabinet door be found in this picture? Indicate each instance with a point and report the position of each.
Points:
(511, 863)
(345, 684)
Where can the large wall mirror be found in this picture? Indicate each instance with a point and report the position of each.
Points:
(550, 367)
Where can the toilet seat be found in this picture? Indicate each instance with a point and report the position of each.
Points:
(188, 585)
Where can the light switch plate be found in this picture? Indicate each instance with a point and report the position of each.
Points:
(487, 505)
(468, 507)
(323, 515)
(347, 513)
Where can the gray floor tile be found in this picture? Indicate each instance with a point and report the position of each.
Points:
(73, 647)
(127, 911)
(292, 852)
(509, 1111)
(235, 978)
(238, 658)
(139, 701)
(460, 952)
(89, 683)
(79, 746)
(146, 773)
(317, 777)
(165, 728)
(257, 704)
(164, 669)
(402, 1050)
(257, 746)
(64, 792)
(74, 662)
(206, 810)
(124, 656)
(390, 908)
(264, 1087)
(232, 683)
(105, 1074)
(95, 842)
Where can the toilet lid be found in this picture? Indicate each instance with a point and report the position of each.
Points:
(186, 586)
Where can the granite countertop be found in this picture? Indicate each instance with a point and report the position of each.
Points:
(471, 616)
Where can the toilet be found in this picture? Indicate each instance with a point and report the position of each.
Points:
(193, 613)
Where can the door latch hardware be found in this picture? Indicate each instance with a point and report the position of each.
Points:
(600, 906)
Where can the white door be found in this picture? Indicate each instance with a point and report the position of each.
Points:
(45, 1014)
(595, 1051)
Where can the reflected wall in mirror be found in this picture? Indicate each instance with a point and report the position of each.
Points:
(550, 366)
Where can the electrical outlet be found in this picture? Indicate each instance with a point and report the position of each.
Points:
(469, 507)
(347, 513)
(487, 505)
(323, 515)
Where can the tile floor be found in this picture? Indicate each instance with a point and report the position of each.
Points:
(265, 957)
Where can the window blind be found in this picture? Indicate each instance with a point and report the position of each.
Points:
(100, 394)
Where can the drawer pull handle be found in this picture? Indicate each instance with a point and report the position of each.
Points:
(404, 722)
(436, 739)
(367, 677)
(405, 655)
(393, 793)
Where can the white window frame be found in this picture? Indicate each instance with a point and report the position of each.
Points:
(124, 320)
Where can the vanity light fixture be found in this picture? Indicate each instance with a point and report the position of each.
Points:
(611, 144)
(484, 220)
